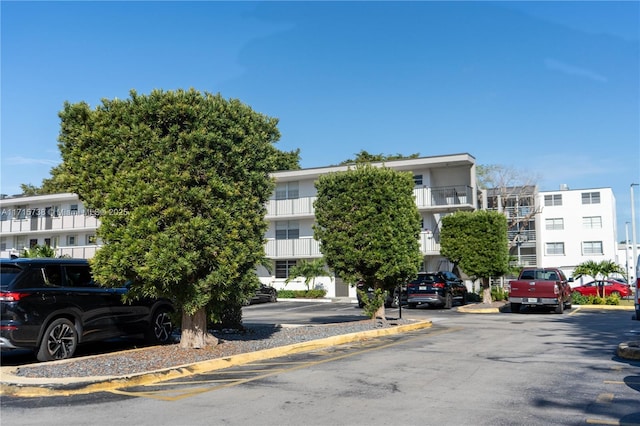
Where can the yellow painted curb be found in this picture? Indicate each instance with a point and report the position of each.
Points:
(34, 387)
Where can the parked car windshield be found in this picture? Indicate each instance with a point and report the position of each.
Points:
(8, 273)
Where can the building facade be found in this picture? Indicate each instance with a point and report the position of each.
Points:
(56, 220)
(579, 225)
(443, 185)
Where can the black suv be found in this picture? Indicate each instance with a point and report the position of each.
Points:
(436, 289)
(51, 305)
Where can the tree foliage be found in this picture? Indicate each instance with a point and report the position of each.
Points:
(365, 157)
(180, 180)
(477, 243)
(39, 251)
(368, 225)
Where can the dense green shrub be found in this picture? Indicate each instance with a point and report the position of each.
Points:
(302, 294)
(578, 299)
(498, 293)
(372, 304)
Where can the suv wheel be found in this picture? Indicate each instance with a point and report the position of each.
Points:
(448, 302)
(60, 341)
(160, 329)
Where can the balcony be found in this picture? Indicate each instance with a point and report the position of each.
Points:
(448, 197)
(308, 247)
(77, 252)
(295, 207)
(48, 223)
(294, 248)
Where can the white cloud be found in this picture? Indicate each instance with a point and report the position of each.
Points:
(553, 64)
(21, 161)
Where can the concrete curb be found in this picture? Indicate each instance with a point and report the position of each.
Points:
(629, 350)
(25, 387)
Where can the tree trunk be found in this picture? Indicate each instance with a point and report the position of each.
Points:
(194, 331)
(380, 317)
(486, 291)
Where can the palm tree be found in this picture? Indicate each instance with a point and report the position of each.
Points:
(39, 251)
(593, 269)
(309, 270)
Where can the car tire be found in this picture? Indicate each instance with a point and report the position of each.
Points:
(60, 341)
(560, 308)
(448, 301)
(160, 328)
(515, 308)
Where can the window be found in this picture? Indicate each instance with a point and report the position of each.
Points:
(71, 240)
(553, 200)
(590, 198)
(554, 224)
(78, 276)
(5, 215)
(283, 267)
(92, 240)
(287, 191)
(592, 222)
(591, 247)
(417, 180)
(287, 230)
(73, 209)
(555, 248)
(33, 242)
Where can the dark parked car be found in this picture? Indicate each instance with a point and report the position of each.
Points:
(50, 306)
(436, 289)
(264, 293)
(391, 298)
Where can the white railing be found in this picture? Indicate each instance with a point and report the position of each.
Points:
(291, 207)
(77, 252)
(294, 248)
(460, 195)
(42, 223)
(309, 247)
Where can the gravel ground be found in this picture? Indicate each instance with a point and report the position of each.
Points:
(231, 342)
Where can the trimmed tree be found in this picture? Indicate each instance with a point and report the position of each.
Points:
(368, 225)
(477, 243)
(180, 180)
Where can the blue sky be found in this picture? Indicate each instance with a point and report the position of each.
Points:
(549, 88)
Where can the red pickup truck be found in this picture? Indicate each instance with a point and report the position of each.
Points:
(540, 287)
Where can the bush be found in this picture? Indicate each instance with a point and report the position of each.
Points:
(302, 294)
(372, 304)
(578, 299)
(498, 293)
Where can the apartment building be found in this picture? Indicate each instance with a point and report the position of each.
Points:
(578, 225)
(443, 184)
(57, 220)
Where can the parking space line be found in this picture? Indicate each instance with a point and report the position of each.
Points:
(176, 394)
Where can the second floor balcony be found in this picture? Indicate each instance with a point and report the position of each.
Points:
(308, 247)
(436, 198)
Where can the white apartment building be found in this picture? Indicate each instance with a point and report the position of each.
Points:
(57, 220)
(576, 226)
(443, 184)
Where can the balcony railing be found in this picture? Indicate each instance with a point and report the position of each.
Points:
(459, 195)
(294, 248)
(309, 247)
(291, 207)
(48, 223)
(447, 196)
(77, 252)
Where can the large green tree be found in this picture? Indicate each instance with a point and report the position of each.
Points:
(368, 225)
(477, 243)
(180, 180)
